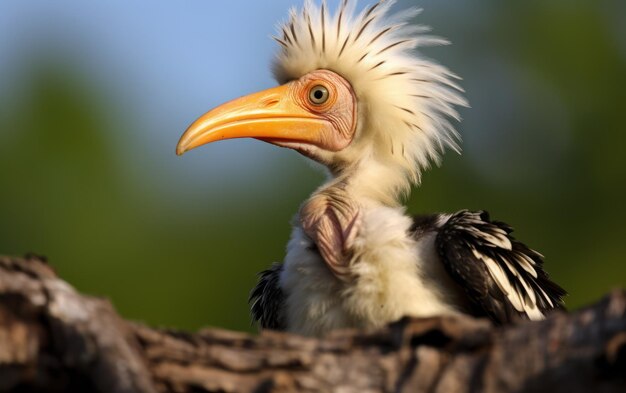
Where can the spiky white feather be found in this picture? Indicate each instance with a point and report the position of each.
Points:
(405, 101)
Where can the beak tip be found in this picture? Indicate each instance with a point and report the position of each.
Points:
(180, 150)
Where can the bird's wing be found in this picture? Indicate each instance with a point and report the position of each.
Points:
(503, 278)
(267, 301)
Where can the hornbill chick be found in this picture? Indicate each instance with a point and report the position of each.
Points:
(355, 97)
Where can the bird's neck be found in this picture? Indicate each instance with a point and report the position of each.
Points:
(333, 215)
(369, 182)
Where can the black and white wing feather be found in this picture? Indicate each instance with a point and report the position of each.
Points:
(503, 278)
(267, 302)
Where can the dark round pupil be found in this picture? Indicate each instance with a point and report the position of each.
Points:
(318, 94)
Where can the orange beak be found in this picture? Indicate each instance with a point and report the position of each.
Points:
(272, 115)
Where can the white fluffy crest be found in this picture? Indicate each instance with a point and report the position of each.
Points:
(405, 101)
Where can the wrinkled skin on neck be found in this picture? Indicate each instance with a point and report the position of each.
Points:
(331, 218)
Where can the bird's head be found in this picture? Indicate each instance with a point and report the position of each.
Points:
(353, 96)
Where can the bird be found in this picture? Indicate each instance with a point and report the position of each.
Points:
(356, 96)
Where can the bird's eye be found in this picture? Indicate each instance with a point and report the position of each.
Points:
(318, 95)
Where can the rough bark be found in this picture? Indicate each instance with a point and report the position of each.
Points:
(55, 339)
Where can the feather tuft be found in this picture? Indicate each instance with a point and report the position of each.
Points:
(404, 98)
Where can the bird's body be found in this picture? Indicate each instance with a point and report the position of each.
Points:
(394, 275)
(357, 100)
(402, 267)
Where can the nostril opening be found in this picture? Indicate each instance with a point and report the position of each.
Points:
(269, 103)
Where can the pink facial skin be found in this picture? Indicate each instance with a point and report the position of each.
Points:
(338, 112)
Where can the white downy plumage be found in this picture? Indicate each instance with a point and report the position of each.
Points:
(405, 104)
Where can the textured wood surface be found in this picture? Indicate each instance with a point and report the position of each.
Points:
(53, 338)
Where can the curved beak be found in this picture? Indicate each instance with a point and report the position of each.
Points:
(272, 115)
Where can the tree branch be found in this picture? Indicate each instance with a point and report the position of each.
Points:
(54, 339)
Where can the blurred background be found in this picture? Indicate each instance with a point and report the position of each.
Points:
(94, 96)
